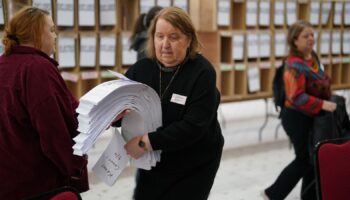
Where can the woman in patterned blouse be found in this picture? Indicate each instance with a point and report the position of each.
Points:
(307, 89)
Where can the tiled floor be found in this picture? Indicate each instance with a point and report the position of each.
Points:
(248, 165)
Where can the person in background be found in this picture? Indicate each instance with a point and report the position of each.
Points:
(37, 112)
(138, 37)
(307, 89)
(190, 138)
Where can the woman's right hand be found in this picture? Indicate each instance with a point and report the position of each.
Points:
(121, 115)
(329, 106)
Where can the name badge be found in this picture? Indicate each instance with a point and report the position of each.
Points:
(179, 99)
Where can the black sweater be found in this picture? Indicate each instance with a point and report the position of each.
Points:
(190, 135)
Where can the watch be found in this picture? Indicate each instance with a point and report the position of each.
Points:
(142, 144)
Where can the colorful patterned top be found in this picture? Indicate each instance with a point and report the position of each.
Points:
(306, 85)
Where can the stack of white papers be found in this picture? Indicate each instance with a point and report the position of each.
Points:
(103, 103)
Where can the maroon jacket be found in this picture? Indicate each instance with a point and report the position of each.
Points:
(37, 124)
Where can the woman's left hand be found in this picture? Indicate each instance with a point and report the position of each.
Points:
(133, 149)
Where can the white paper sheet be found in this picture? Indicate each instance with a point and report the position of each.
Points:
(87, 51)
(238, 47)
(316, 40)
(86, 11)
(253, 45)
(264, 45)
(129, 56)
(146, 5)
(280, 44)
(338, 11)
(264, 14)
(279, 13)
(347, 13)
(107, 50)
(65, 13)
(108, 12)
(43, 4)
(99, 106)
(223, 12)
(181, 4)
(326, 8)
(314, 13)
(66, 52)
(112, 161)
(252, 13)
(291, 12)
(325, 42)
(336, 42)
(164, 3)
(253, 78)
(2, 18)
(346, 42)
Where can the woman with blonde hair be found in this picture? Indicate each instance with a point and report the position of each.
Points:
(37, 112)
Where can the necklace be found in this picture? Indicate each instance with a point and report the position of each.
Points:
(171, 80)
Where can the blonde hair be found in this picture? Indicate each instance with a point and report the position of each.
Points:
(25, 27)
(179, 19)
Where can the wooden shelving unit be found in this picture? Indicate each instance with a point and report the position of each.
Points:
(244, 39)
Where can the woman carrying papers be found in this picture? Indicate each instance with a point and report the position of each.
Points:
(37, 112)
(190, 138)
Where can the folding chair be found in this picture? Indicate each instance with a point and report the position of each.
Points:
(62, 193)
(332, 162)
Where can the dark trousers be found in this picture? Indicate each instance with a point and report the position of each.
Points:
(297, 127)
(194, 184)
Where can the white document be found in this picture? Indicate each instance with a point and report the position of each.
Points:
(346, 42)
(87, 51)
(280, 44)
(291, 12)
(181, 4)
(88, 75)
(129, 56)
(43, 4)
(66, 52)
(146, 5)
(112, 161)
(314, 13)
(69, 76)
(65, 13)
(108, 12)
(336, 40)
(253, 45)
(86, 11)
(316, 40)
(264, 14)
(164, 3)
(253, 78)
(279, 13)
(326, 9)
(238, 46)
(223, 13)
(107, 50)
(252, 13)
(2, 18)
(325, 42)
(338, 8)
(347, 13)
(264, 45)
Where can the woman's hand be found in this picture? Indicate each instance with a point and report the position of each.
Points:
(121, 115)
(134, 150)
(329, 106)
(118, 117)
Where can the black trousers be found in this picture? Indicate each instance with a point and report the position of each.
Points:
(297, 126)
(194, 184)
